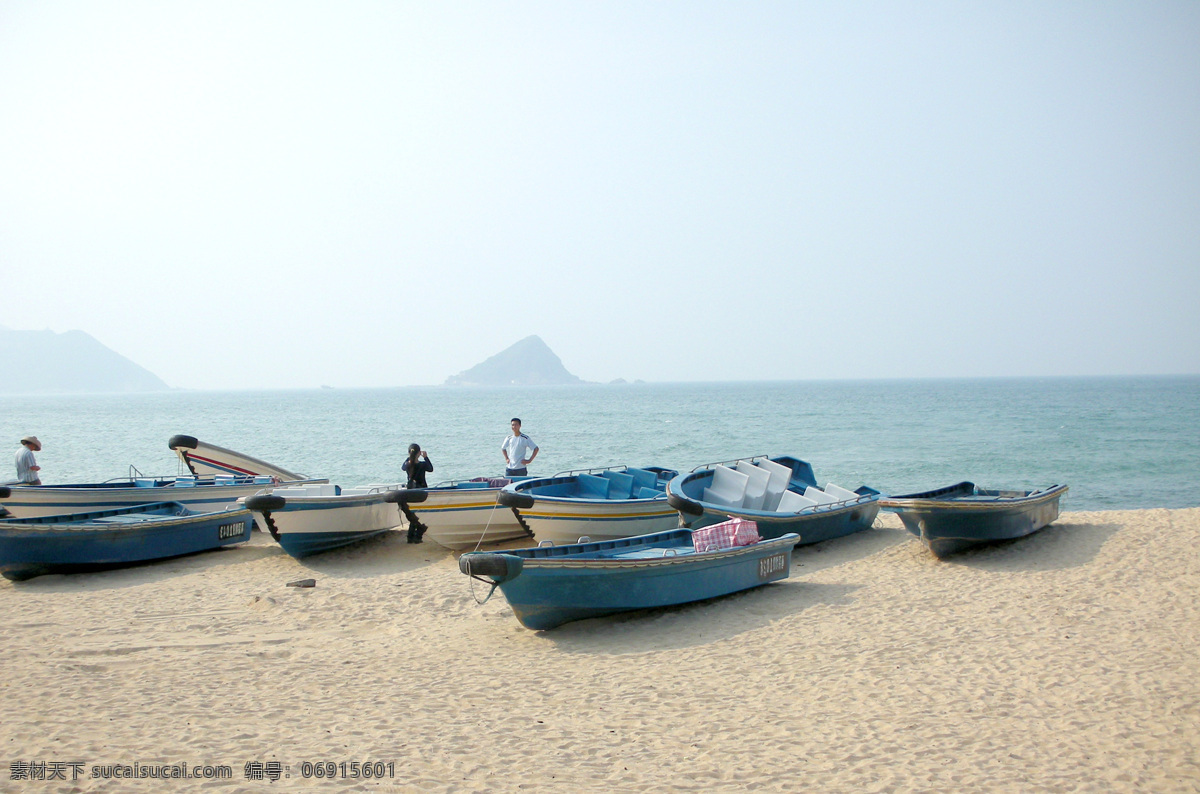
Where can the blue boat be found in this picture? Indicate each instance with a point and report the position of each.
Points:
(780, 494)
(961, 516)
(601, 504)
(549, 585)
(114, 538)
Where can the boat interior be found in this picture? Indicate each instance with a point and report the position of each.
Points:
(768, 486)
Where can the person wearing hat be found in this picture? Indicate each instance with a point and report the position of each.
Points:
(27, 468)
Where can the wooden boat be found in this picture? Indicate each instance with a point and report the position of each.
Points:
(201, 494)
(780, 494)
(549, 585)
(601, 504)
(961, 516)
(462, 514)
(311, 519)
(114, 538)
(207, 460)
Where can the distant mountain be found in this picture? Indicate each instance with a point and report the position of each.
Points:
(44, 361)
(527, 363)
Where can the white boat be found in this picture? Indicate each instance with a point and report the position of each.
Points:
(310, 519)
(462, 514)
(600, 504)
(203, 459)
(199, 494)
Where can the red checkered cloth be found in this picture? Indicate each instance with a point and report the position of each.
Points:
(726, 535)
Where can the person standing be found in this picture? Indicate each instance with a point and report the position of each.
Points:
(519, 451)
(27, 468)
(417, 464)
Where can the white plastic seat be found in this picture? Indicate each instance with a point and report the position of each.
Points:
(756, 485)
(728, 487)
(780, 476)
(819, 496)
(839, 493)
(792, 502)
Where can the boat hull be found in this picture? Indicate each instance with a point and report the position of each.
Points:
(551, 586)
(564, 521)
(114, 538)
(29, 501)
(814, 524)
(306, 525)
(465, 517)
(950, 521)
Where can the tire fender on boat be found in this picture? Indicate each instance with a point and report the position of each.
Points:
(265, 502)
(186, 442)
(405, 496)
(500, 567)
(5, 492)
(684, 505)
(513, 499)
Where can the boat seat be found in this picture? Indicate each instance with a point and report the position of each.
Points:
(647, 493)
(619, 484)
(780, 478)
(839, 493)
(728, 487)
(792, 502)
(756, 485)
(592, 487)
(819, 496)
(642, 478)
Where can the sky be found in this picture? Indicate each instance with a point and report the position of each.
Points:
(360, 194)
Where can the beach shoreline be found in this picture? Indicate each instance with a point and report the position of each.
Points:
(1064, 661)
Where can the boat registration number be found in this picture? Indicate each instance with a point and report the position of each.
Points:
(770, 566)
(230, 531)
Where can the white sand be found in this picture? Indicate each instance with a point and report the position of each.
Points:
(1066, 661)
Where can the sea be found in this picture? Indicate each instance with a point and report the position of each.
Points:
(1118, 442)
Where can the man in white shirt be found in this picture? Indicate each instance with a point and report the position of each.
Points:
(519, 451)
(27, 468)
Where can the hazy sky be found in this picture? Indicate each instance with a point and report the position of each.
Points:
(255, 195)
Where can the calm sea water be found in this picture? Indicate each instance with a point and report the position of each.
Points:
(1118, 442)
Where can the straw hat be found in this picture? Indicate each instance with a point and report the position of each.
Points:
(33, 442)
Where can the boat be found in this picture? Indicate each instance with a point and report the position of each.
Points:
(203, 459)
(114, 538)
(961, 516)
(780, 494)
(311, 519)
(457, 514)
(462, 514)
(549, 585)
(201, 494)
(601, 504)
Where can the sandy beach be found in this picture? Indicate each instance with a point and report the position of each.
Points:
(1066, 661)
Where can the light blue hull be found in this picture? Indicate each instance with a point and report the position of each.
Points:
(552, 585)
(302, 544)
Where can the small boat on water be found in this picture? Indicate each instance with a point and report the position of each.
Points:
(114, 538)
(549, 585)
(961, 516)
(601, 504)
(462, 514)
(311, 519)
(779, 494)
(207, 460)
